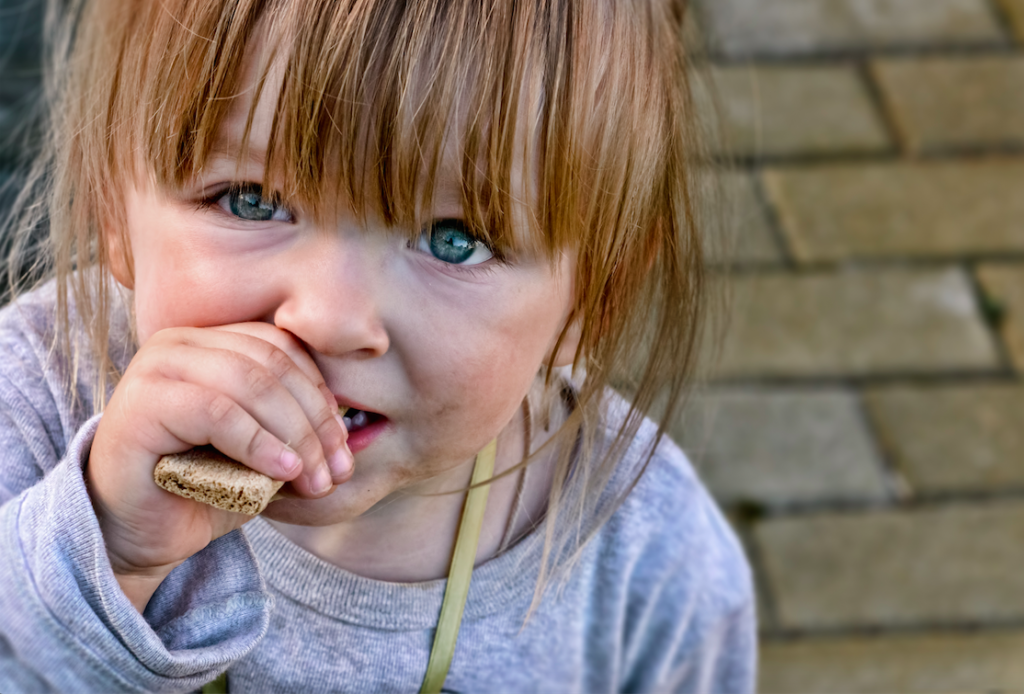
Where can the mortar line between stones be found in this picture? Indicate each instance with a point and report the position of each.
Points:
(896, 480)
(894, 377)
(922, 629)
(759, 160)
(795, 510)
(970, 153)
(868, 264)
(774, 221)
(818, 385)
(980, 301)
(827, 55)
(883, 108)
(1003, 18)
(994, 149)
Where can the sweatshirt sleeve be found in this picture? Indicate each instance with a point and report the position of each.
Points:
(724, 661)
(698, 635)
(66, 626)
(691, 624)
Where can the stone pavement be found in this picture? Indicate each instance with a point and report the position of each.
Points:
(864, 426)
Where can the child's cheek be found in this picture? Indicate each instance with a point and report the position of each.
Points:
(490, 365)
(185, 301)
(490, 386)
(186, 288)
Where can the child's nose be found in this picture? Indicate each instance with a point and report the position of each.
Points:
(330, 303)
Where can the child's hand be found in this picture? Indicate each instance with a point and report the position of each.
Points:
(252, 392)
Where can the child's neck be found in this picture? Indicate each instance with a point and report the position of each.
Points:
(409, 538)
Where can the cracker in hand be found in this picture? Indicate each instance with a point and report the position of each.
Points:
(207, 475)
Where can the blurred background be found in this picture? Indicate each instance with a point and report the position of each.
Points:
(21, 24)
(864, 427)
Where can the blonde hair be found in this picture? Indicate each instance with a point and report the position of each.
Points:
(371, 92)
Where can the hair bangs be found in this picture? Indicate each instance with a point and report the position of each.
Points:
(386, 107)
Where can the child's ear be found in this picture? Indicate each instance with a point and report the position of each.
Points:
(119, 255)
(568, 342)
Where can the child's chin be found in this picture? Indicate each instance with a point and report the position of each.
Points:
(309, 512)
(337, 507)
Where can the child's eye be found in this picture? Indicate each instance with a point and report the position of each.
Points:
(247, 202)
(450, 241)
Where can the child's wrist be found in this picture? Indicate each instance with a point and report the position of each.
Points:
(139, 586)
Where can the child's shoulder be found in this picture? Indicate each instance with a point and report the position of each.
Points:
(30, 324)
(50, 373)
(31, 315)
(27, 326)
(668, 522)
(669, 479)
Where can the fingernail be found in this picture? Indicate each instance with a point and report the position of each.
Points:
(321, 481)
(340, 462)
(289, 461)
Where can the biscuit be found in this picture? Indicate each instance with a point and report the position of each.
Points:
(207, 475)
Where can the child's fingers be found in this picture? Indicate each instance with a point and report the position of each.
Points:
(254, 390)
(329, 427)
(215, 418)
(290, 345)
(278, 396)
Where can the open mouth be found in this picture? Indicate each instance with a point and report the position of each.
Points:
(356, 420)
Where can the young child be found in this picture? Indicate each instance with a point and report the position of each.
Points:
(462, 220)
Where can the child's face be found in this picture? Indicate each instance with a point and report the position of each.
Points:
(442, 352)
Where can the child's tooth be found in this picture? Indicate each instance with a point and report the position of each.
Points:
(348, 421)
(360, 420)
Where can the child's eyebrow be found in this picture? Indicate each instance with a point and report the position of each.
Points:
(250, 155)
(231, 149)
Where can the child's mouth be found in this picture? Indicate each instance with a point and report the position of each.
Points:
(363, 427)
(357, 420)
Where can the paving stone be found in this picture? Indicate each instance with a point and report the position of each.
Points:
(953, 438)
(750, 236)
(1004, 285)
(785, 111)
(739, 28)
(782, 446)
(929, 210)
(942, 565)
(855, 323)
(943, 103)
(909, 663)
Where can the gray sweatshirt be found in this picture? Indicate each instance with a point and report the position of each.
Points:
(660, 599)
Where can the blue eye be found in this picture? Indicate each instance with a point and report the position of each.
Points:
(248, 203)
(450, 241)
